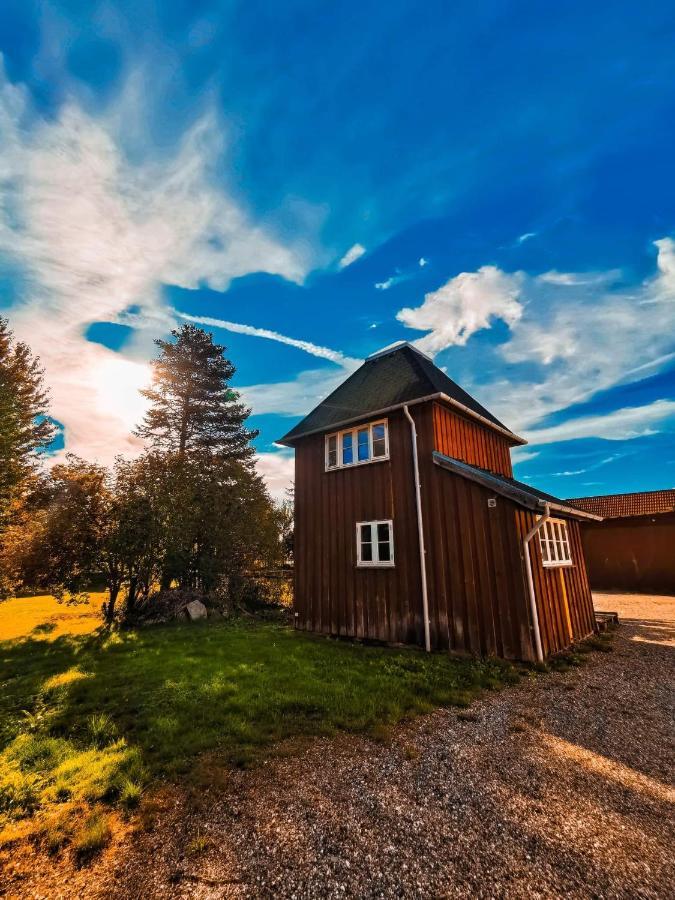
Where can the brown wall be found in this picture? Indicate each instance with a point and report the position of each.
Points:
(564, 600)
(332, 595)
(465, 439)
(477, 590)
(632, 554)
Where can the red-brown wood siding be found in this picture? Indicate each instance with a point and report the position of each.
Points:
(553, 585)
(333, 595)
(478, 600)
(462, 438)
(631, 554)
(475, 572)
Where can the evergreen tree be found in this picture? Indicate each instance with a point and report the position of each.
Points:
(24, 428)
(193, 409)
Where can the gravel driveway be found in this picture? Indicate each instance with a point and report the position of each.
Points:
(561, 785)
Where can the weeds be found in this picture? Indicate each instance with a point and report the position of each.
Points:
(91, 837)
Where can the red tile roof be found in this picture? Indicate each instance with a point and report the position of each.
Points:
(618, 506)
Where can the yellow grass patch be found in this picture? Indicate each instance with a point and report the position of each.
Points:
(42, 617)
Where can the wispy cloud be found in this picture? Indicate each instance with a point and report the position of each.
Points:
(278, 470)
(96, 233)
(564, 345)
(335, 356)
(526, 237)
(355, 252)
(620, 425)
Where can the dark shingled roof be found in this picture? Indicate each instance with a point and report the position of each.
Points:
(388, 378)
(619, 506)
(521, 493)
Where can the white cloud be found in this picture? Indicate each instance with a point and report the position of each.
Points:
(422, 262)
(464, 305)
(522, 454)
(355, 252)
(298, 396)
(278, 470)
(527, 236)
(335, 356)
(573, 279)
(386, 284)
(571, 336)
(95, 233)
(620, 425)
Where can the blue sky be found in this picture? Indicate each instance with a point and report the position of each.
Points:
(491, 180)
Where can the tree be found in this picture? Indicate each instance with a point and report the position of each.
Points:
(56, 543)
(25, 429)
(193, 408)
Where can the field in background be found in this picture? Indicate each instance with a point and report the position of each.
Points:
(43, 617)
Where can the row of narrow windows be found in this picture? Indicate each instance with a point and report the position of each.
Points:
(367, 443)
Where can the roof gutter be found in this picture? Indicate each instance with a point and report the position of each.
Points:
(530, 581)
(420, 530)
(501, 485)
(335, 426)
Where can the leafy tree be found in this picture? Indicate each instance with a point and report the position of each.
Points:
(24, 428)
(73, 526)
(193, 408)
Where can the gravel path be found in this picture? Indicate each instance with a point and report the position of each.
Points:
(561, 785)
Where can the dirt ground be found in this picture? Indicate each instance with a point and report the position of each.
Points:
(562, 785)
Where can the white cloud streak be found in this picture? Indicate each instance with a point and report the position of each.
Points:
(620, 425)
(355, 252)
(95, 233)
(335, 356)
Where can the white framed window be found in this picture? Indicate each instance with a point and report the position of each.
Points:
(375, 543)
(554, 542)
(356, 446)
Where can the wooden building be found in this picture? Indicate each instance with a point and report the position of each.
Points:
(410, 528)
(633, 548)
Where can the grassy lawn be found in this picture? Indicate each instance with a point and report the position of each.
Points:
(96, 718)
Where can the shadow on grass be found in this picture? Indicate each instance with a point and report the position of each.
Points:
(90, 717)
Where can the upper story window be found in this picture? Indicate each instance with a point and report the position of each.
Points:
(555, 543)
(354, 446)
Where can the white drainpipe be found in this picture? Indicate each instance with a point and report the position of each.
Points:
(530, 582)
(420, 531)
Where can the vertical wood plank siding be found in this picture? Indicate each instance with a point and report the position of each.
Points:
(478, 600)
(332, 595)
(462, 438)
(555, 587)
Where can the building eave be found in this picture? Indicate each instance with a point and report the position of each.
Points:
(508, 489)
(378, 413)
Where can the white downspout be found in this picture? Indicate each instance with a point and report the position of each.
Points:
(420, 531)
(530, 582)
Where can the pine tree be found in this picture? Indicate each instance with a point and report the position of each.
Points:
(193, 409)
(25, 429)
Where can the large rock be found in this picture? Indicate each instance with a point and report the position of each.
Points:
(196, 610)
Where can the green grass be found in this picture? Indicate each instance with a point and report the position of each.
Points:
(96, 718)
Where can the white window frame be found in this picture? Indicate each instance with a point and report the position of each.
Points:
(554, 544)
(354, 431)
(375, 562)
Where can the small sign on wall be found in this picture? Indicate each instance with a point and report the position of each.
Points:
(492, 502)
